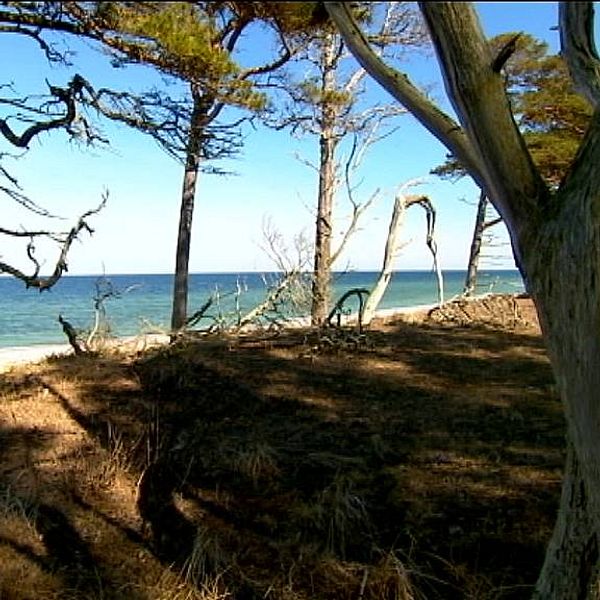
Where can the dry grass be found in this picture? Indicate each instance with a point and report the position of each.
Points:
(422, 463)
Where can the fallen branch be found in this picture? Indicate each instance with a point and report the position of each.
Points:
(270, 302)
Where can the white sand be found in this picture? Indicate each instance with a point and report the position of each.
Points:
(19, 355)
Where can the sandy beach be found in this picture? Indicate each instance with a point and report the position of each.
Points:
(17, 355)
(13, 356)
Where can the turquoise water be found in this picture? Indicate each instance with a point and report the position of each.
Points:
(28, 318)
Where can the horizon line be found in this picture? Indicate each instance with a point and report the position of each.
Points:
(265, 271)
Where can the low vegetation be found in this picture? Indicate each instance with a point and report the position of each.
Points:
(419, 460)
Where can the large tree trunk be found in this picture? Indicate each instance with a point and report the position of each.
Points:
(184, 237)
(321, 287)
(570, 570)
(563, 263)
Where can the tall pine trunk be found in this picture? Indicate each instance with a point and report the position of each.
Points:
(184, 236)
(321, 286)
(476, 243)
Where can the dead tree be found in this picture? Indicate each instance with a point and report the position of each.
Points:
(401, 204)
(338, 310)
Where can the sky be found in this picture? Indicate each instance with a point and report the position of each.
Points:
(136, 232)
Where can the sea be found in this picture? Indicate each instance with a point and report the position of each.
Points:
(139, 304)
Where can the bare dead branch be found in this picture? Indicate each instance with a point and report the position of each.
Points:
(437, 122)
(357, 212)
(64, 95)
(337, 310)
(492, 223)
(71, 334)
(281, 60)
(270, 302)
(52, 55)
(42, 283)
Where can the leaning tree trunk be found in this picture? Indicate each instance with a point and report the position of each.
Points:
(392, 246)
(184, 237)
(401, 204)
(564, 268)
(321, 287)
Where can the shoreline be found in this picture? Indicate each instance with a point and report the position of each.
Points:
(14, 356)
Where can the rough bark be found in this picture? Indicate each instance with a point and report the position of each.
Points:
(556, 243)
(564, 267)
(327, 183)
(184, 235)
(572, 556)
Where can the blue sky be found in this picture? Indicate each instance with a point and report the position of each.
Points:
(136, 233)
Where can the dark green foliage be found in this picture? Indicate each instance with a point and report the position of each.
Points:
(187, 41)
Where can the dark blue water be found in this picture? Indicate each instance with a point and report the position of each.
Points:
(28, 318)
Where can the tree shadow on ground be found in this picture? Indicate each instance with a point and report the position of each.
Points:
(266, 460)
(43, 550)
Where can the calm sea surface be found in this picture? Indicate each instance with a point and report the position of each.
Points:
(28, 318)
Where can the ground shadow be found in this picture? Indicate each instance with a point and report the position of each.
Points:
(37, 521)
(267, 456)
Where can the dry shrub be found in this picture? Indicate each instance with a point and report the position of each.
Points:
(175, 586)
(258, 463)
(207, 559)
(388, 579)
(336, 517)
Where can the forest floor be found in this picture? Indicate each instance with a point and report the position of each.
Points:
(420, 459)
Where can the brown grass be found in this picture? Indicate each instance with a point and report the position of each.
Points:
(422, 460)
